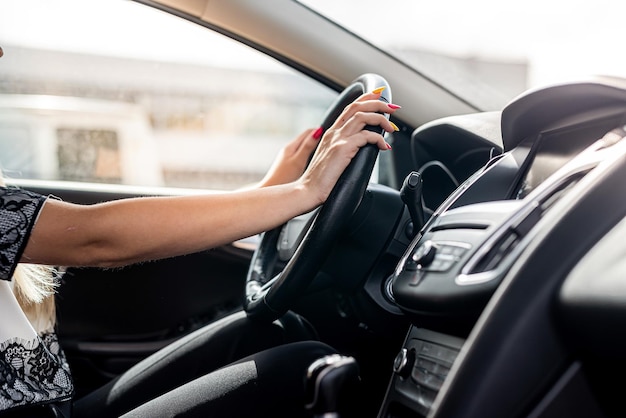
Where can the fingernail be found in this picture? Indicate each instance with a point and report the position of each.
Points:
(318, 133)
(379, 90)
(388, 145)
(394, 106)
(394, 126)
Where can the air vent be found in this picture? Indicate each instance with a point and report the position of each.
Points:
(460, 225)
(503, 247)
(505, 241)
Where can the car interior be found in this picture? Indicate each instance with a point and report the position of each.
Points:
(475, 270)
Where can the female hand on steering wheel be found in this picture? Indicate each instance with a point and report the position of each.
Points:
(293, 158)
(343, 139)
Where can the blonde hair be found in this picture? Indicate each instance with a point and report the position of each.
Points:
(34, 287)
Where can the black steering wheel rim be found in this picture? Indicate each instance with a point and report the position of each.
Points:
(268, 298)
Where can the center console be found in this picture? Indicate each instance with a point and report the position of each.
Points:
(456, 262)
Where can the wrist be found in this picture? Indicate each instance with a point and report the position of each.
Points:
(307, 195)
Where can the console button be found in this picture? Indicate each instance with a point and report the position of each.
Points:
(425, 254)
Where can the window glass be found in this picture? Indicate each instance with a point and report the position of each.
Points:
(16, 141)
(116, 91)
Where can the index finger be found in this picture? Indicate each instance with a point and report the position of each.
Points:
(374, 94)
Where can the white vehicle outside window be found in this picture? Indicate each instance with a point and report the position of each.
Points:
(76, 139)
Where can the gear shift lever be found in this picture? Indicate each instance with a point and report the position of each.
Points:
(328, 380)
(411, 195)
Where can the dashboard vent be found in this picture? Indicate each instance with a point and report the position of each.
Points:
(510, 237)
(502, 247)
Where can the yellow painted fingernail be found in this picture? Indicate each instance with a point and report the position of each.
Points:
(379, 90)
(394, 126)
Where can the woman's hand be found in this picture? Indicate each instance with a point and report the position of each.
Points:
(344, 138)
(292, 159)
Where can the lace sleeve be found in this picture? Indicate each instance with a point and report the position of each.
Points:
(18, 212)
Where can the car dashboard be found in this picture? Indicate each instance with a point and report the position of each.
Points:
(545, 150)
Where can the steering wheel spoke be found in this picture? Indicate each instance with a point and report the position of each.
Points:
(292, 234)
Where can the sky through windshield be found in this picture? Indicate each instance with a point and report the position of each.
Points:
(556, 40)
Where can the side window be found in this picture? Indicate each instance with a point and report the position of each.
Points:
(95, 99)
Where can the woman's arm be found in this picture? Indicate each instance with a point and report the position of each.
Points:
(133, 230)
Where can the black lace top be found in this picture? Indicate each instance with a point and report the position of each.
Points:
(33, 368)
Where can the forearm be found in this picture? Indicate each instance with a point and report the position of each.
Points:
(133, 230)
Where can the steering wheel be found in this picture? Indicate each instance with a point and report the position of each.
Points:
(268, 297)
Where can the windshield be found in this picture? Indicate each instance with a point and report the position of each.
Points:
(489, 51)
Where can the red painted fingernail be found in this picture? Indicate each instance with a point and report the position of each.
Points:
(388, 146)
(394, 106)
(318, 133)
